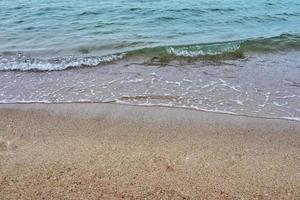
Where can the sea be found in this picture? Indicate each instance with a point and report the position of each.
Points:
(227, 56)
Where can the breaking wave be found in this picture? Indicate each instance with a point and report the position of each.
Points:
(161, 55)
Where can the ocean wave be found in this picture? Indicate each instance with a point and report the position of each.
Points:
(157, 55)
(220, 50)
(283, 42)
(20, 62)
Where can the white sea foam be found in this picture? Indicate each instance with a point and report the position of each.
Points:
(25, 63)
(200, 50)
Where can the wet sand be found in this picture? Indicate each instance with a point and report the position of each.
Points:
(107, 151)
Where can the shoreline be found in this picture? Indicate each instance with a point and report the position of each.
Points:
(223, 87)
(113, 151)
(293, 119)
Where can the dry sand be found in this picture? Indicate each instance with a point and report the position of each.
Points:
(105, 151)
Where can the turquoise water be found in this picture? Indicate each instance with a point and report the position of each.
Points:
(55, 34)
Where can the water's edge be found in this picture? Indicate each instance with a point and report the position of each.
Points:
(261, 85)
(153, 106)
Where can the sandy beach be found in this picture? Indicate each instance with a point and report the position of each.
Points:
(149, 100)
(108, 151)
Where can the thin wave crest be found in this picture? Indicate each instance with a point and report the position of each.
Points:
(21, 62)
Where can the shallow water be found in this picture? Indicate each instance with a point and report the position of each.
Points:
(260, 85)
